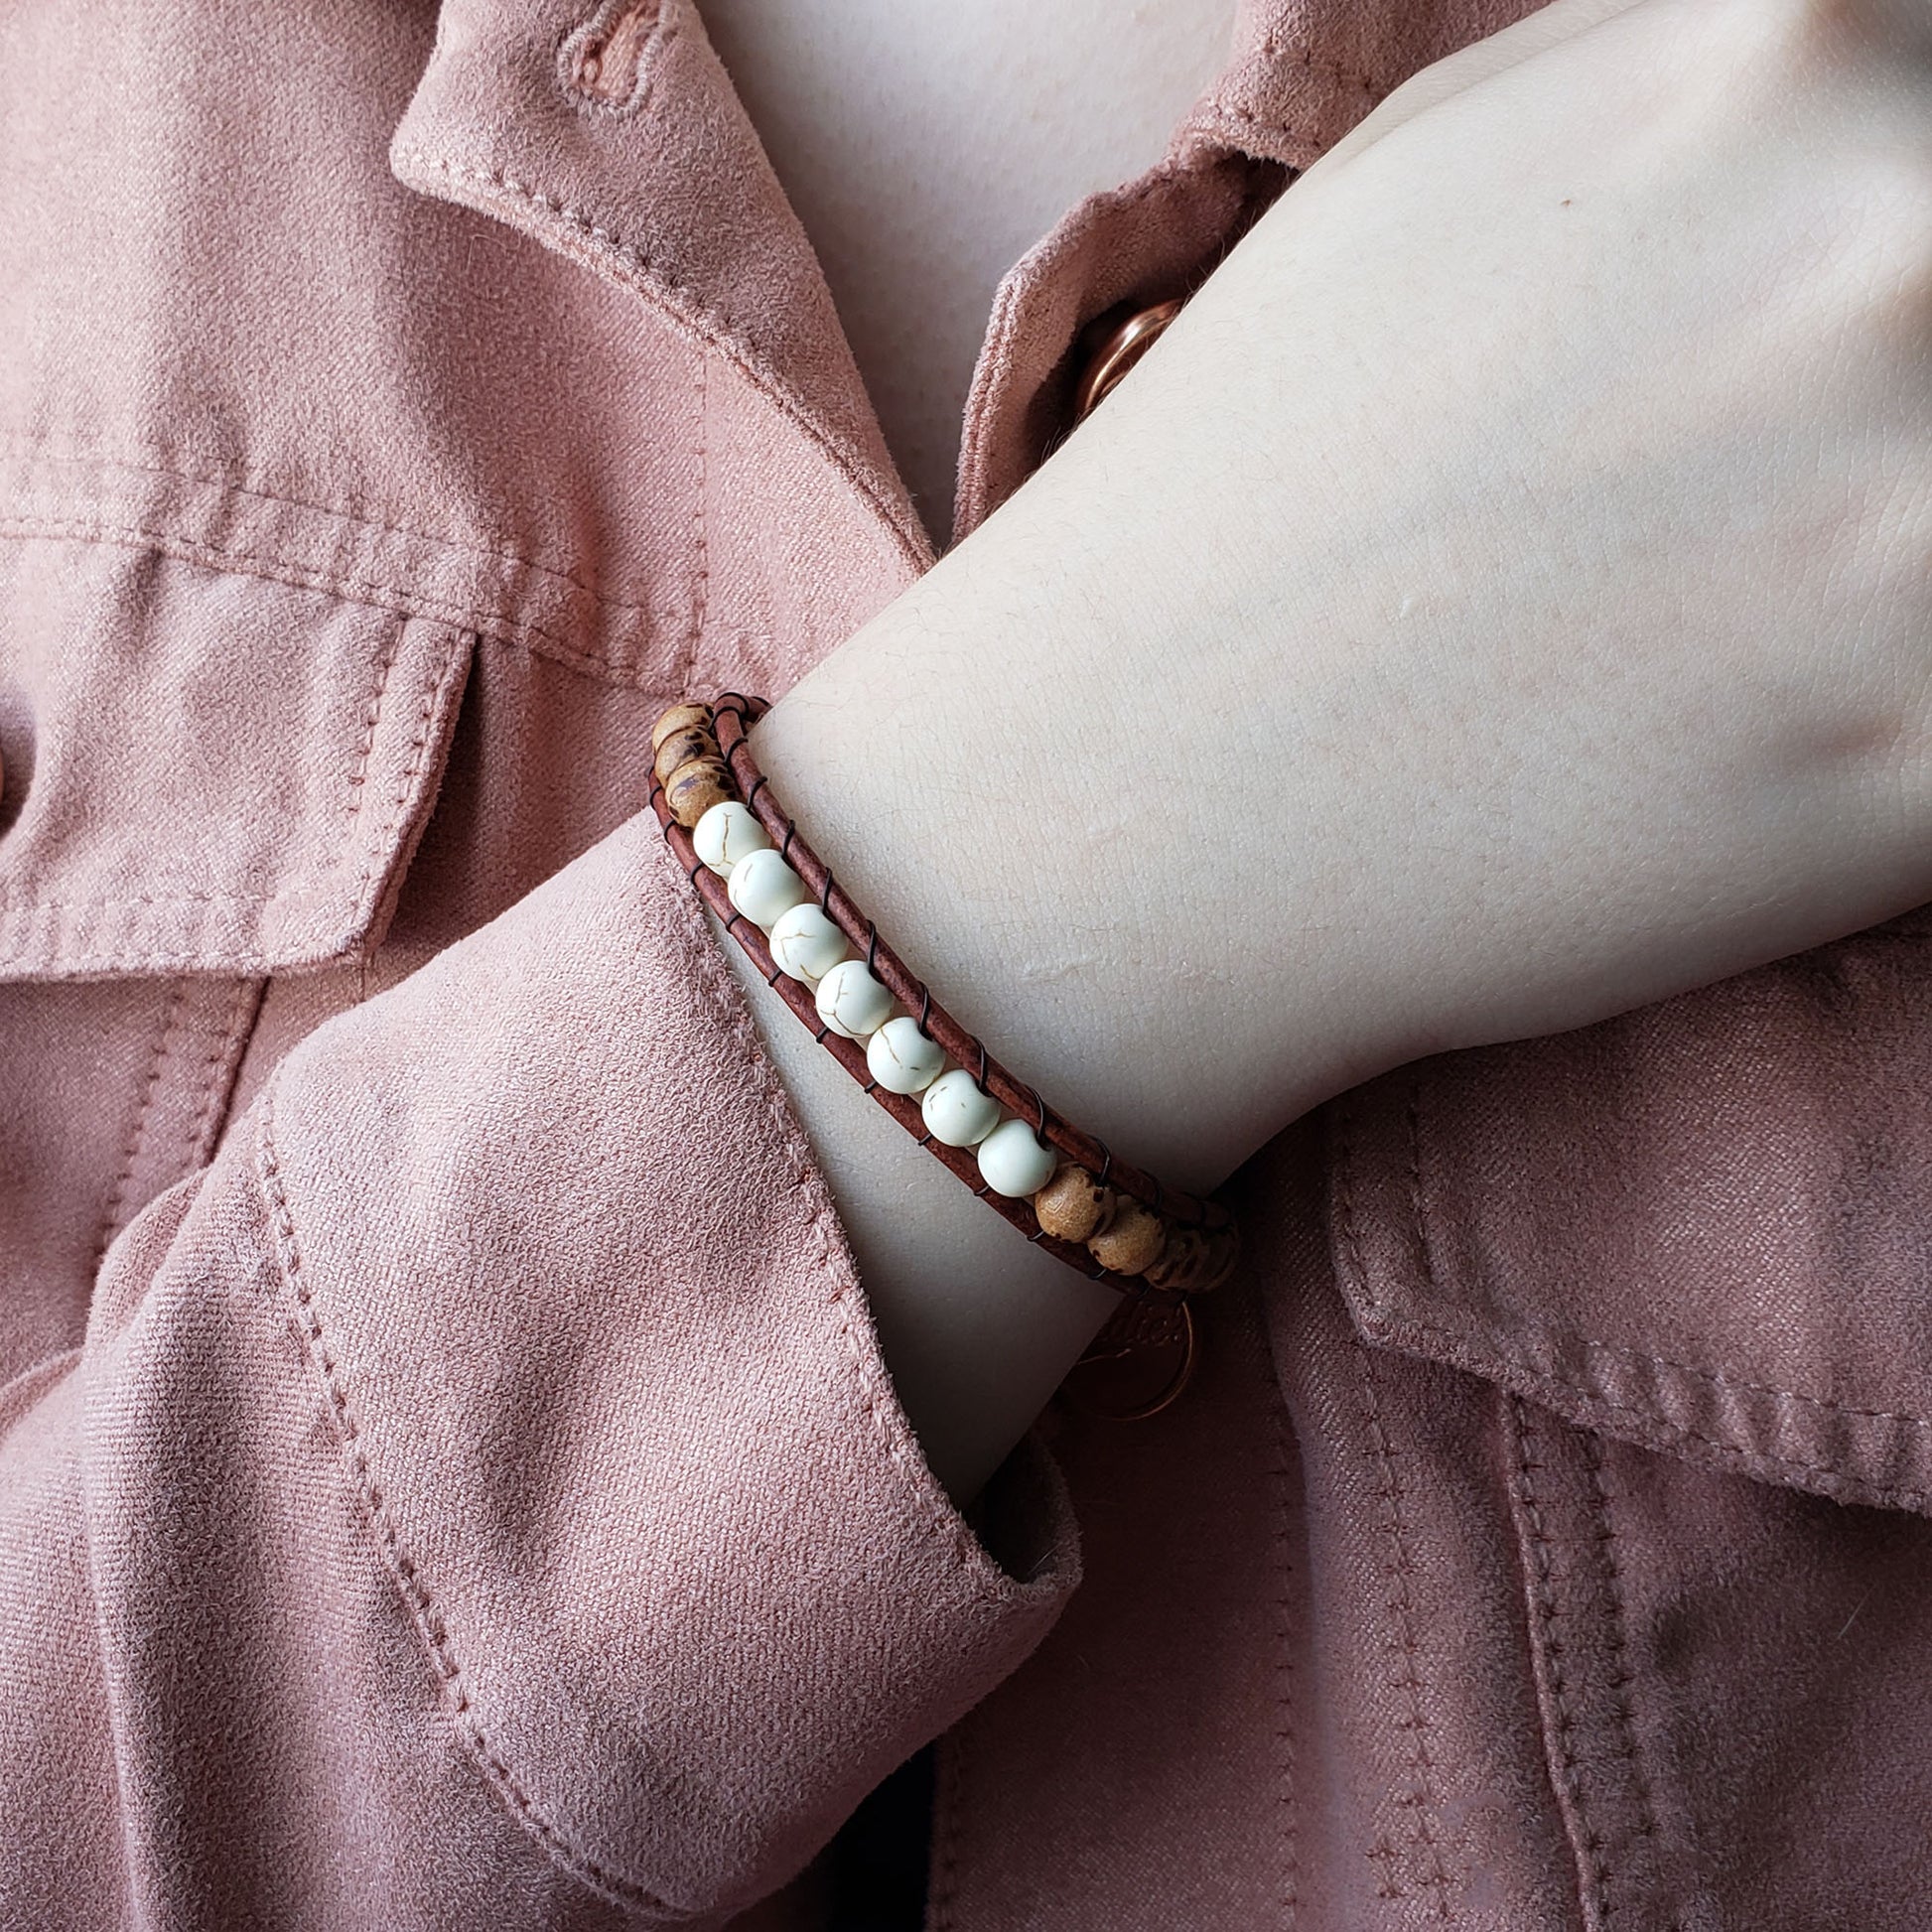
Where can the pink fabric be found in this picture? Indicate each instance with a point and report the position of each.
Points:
(448, 1476)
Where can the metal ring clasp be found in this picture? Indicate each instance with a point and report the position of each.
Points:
(1116, 352)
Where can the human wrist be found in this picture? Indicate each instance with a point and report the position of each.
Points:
(1013, 849)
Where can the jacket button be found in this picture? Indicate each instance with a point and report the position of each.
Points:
(1116, 351)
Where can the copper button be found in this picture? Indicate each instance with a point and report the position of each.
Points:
(1116, 352)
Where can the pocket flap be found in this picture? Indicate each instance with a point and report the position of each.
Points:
(1705, 1226)
(205, 770)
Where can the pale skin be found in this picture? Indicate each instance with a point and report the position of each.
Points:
(1498, 603)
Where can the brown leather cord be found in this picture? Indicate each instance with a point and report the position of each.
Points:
(850, 1054)
(733, 714)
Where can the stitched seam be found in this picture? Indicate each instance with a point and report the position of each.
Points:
(110, 1220)
(1273, 53)
(138, 898)
(1671, 1433)
(418, 1599)
(219, 1067)
(1238, 127)
(367, 885)
(68, 967)
(1288, 1798)
(1685, 1369)
(1623, 1678)
(368, 881)
(633, 268)
(949, 1806)
(1726, 1383)
(1405, 1677)
(519, 631)
(1342, 1129)
(1500, 1360)
(360, 775)
(701, 530)
(1272, 48)
(51, 450)
(1659, 1429)
(729, 1009)
(1548, 1649)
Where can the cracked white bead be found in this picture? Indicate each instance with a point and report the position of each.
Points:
(956, 1112)
(762, 887)
(850, 1000)
(726, 833)
(805, 943)
(1012, 1162)
(901, 1059)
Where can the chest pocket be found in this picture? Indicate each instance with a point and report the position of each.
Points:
(210, 779)
(1705, 1225)
(206, 772)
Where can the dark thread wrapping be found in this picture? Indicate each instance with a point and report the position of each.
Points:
(737, 713)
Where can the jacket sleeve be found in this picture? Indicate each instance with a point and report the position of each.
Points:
(482, 1483)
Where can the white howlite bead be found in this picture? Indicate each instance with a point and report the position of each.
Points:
(901, 1059)
(850, 1000)
(1012, 1162)
(763, 886)
(805, 943)
(956, 1112)
(725, 834)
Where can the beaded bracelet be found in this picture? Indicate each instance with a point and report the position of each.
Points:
(1059, 1187)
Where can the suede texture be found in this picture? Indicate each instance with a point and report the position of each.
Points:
(448, 1473)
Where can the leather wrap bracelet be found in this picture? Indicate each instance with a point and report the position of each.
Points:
(1058, 1185)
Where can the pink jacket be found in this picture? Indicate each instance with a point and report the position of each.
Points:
(448, 1477)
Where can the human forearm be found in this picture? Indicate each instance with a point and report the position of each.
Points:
(1330, 700)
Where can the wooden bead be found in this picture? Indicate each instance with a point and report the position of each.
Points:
(681, 717)
(1012, 1162)
(1073, 1206)
(805, 944)
(901, 1059)
(1132, 1241)
(1182, 1261)
(694, 788)
(681, 748)
(726, 834)
(763, 888)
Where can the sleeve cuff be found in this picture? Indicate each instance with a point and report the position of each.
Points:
(609, 1391)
